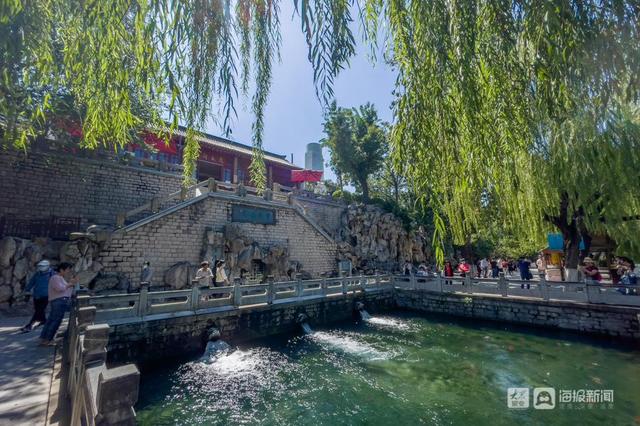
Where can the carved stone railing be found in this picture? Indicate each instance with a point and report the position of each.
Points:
(585, 292)
(279, 193)
(98, 395)
(196, 299)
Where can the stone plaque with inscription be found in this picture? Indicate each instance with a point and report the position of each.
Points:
(247, 214)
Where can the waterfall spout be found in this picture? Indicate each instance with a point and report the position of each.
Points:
(364, 315)
(214, 345)
(302, 319)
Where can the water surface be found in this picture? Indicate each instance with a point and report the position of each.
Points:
(399, 369)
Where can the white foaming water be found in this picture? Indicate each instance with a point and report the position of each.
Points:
(306, 328)
(348, 345)
(365, 315)
(214, 349)
(238, 363)
(388, 323)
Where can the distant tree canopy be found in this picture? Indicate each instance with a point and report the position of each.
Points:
(357, 142)
(532, 105)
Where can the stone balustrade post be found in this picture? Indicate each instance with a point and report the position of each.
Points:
(593, 291)
(276, 187)
(94, 343)
(377, 284)
(212, 185)
(468, 283)
(82, 298)
(503, 285)
(143, 300)
(120, 220)
(237, 294)
(323, 286)
(85, 316)
(195, 295)
(241, 191)
(116, 395)
(439, 283)
(344, 285)
(544, 287)
(299, 289)
(413, 283)
(155, 204)
(271, 292)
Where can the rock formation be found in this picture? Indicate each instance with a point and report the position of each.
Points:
(374, 239)
(242, 252)
(18, 259)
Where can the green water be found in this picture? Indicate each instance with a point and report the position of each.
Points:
(401, 369)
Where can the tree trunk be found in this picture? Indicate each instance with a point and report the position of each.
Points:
(365, 189)
(571, 250)
(570, 234)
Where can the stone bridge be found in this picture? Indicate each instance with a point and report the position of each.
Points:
(148, 327)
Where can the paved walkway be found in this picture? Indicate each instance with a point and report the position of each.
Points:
(26, 372)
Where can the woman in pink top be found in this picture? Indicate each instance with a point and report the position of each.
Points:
(59, 299)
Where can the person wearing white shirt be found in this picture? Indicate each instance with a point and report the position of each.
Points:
(204, 275)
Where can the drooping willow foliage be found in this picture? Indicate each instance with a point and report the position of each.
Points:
(529, 106)
(119, 65)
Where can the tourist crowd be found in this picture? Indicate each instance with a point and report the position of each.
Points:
(621, 271)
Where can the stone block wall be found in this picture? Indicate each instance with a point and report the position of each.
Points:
(326, 213)
(156, 339)
(39, 185)
(617, 321)
(178, 236)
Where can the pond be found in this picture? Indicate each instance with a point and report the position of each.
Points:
(399, 369)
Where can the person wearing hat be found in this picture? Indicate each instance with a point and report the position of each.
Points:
(204, 275)
(38, 285)
(590, 270)
(221, 275)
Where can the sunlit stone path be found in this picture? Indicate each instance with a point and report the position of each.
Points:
(26, 373)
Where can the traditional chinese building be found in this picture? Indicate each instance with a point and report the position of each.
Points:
(220, 158)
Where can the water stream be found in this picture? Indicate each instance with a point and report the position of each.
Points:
(393, 369)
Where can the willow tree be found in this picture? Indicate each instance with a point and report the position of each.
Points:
(529, 104)
(97, 61)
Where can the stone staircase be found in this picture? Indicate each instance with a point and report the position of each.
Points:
(159, 206)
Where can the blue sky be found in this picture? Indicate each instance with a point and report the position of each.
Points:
(293, 115)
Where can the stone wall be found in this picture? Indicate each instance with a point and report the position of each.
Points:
(18, 259)
(155, 340)
(617, 321)
(327, 213)
(40, 185)
(373, 239)
(179, 235)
